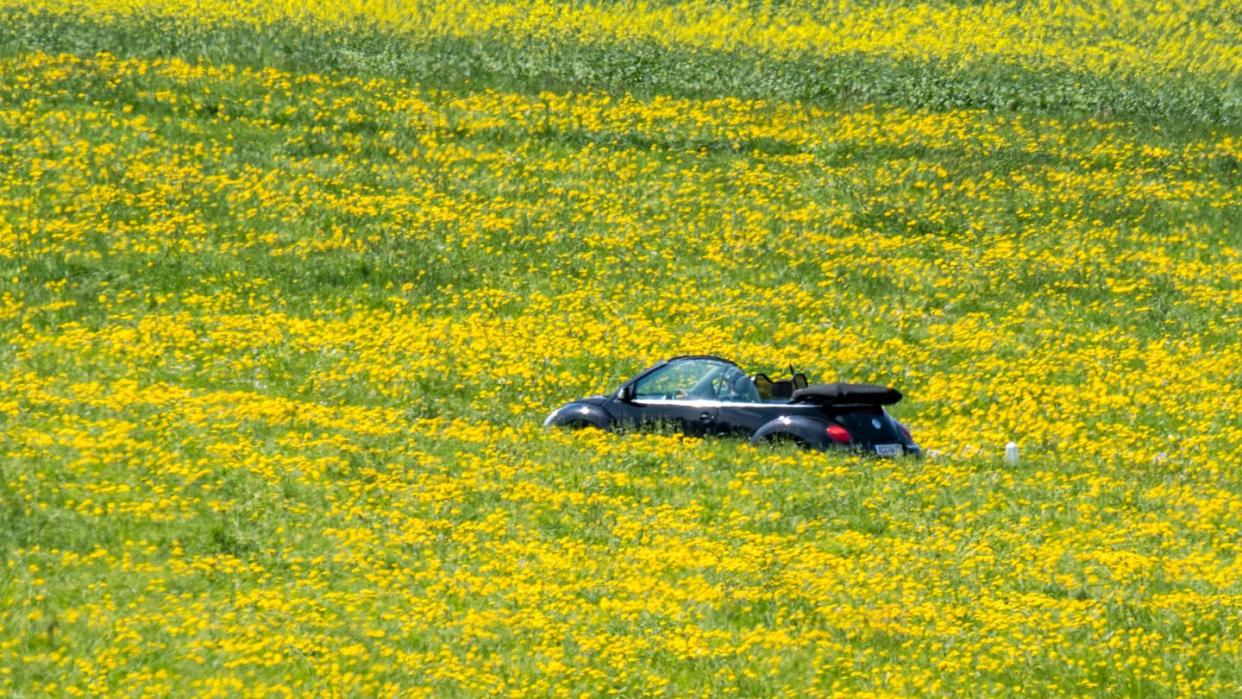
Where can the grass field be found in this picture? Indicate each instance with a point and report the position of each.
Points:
(287, 289)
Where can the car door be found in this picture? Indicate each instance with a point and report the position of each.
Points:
(694, 418)
(681, 394)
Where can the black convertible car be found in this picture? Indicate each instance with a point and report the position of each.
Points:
(705, 395)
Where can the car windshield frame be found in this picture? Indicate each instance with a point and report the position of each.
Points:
(720, 381)
(688, 378)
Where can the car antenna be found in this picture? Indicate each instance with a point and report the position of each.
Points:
(791, 370)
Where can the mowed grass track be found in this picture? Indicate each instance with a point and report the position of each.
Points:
(280, 323)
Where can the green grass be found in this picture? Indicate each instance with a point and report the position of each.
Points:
(288, 452)
(532, 65)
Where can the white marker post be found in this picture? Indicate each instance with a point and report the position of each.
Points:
(1011, 453)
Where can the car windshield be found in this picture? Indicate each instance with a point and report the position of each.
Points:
(696, 379)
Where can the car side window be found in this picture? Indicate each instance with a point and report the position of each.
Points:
(688, 379)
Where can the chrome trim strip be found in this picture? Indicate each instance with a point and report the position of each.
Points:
(702, 403)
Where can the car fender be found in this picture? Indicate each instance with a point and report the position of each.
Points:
(577, 413)
(811, 431)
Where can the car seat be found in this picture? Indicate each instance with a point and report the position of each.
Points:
(744, 389)
(782, 389)
(763, 386)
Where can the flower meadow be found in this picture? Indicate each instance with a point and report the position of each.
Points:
(287, 289)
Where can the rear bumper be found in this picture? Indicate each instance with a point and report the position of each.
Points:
(870, 450)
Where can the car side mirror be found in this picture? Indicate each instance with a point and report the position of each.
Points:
(626, 394)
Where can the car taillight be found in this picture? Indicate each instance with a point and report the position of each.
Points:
(905, 432)
(839, 434)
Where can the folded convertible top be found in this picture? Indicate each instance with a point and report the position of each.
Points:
(847, 393)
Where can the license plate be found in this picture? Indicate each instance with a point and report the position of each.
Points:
(888, 449)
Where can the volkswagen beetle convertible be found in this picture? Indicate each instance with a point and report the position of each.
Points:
(705, 395)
